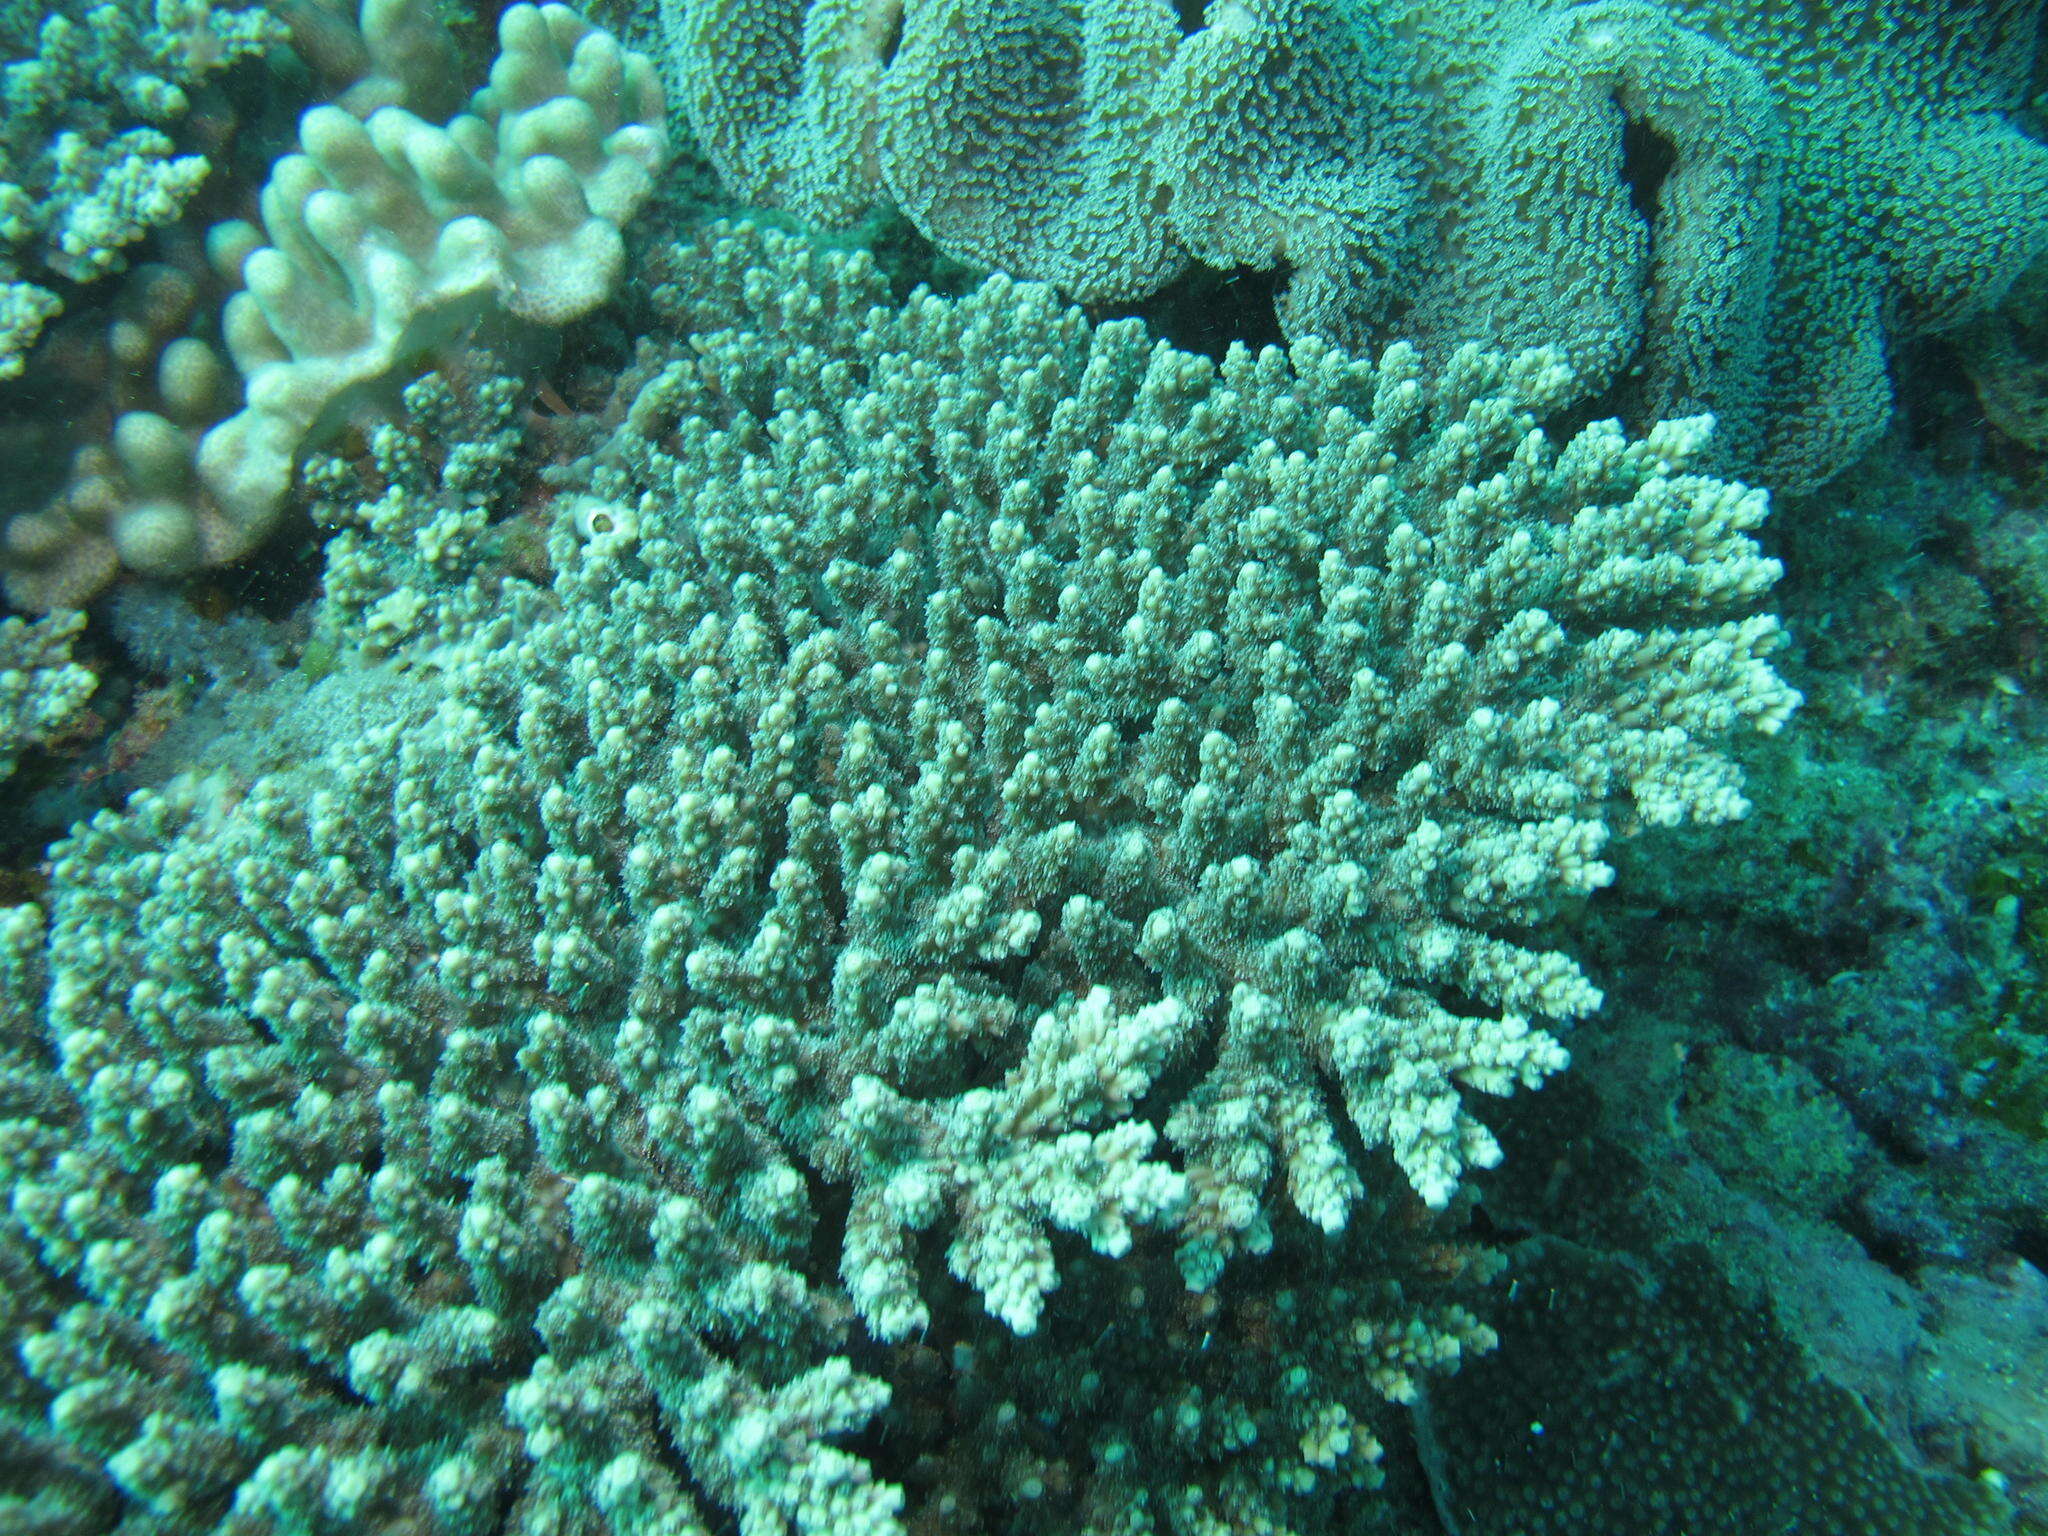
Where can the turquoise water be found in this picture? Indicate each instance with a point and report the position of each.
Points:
(1069, 766)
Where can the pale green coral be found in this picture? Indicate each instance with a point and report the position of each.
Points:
(91, 93)
(385, 238)
(24, 310)
(41, 687)
(419, 556)
(983, 793)
(86, 166)
(110, 194)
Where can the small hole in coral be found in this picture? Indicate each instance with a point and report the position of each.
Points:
(1647, 157)
(1190, 13)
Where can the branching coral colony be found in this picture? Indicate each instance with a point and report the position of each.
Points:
(984, 795)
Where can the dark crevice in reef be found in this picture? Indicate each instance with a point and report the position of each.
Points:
(2031, 1243)
(279, 578)
(1647, 158)
(1890, 1250)
(1207, 310)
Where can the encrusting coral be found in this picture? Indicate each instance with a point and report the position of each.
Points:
(1669, 1400)
(975, 778)
(1735, 205)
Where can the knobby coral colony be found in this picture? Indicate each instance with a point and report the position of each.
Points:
(381, 241)
(985, 796)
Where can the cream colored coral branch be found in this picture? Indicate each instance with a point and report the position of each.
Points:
(380, 241)
(388, 237)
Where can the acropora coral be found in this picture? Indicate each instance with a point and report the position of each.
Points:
(995, 825)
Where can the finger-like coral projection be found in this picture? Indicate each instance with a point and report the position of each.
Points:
(984, 796)
(381, 240)
(1708, 204)
(391, 234)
